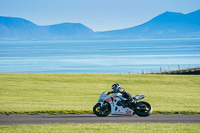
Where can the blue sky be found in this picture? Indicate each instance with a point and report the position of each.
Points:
(99, 15)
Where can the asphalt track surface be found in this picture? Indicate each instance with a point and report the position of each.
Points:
(16, 119)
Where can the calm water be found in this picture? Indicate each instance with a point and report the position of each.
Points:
(113, 57)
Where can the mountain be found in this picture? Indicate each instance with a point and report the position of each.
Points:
(20, 29)
(70, 30)
(16, 27)
(166, 25)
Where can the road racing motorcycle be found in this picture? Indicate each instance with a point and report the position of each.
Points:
(118, 105)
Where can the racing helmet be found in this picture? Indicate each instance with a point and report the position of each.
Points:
(115, 87)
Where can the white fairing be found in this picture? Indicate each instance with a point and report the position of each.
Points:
(119, 110)
(112, 100)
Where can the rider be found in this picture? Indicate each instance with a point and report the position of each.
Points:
(117, 89)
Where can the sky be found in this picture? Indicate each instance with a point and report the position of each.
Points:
(99, 15)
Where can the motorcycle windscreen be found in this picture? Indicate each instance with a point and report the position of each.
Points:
(140, 96)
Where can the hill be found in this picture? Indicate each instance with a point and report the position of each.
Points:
(166, 25)
(20, 29)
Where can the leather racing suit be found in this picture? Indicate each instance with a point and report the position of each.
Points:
(124, 93)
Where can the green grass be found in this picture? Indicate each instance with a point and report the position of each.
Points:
(103, 128)
(78, 93)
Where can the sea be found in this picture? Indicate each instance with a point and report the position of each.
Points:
(99, 56)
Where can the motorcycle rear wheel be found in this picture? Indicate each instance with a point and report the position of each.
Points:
(101, 111)
(143, 109)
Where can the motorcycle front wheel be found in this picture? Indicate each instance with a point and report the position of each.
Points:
(101, 111)
(143, 109)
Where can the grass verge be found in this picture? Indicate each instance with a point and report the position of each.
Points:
(103, 128)
(89, 112)
(29, 93)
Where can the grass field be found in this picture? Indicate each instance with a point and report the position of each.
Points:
(77, 93)
(103, 128)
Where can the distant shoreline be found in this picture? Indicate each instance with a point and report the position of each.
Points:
(189, 71)
(99, 40)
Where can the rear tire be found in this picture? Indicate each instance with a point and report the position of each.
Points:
(101, 111)
(143, 109)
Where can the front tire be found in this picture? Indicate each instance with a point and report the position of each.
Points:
(102, 111)
(143, 109)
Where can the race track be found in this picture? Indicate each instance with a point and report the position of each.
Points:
(16, 119)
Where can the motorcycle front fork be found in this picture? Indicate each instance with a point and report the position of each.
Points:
(103, 103)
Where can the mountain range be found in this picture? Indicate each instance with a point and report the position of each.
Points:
(165, 25)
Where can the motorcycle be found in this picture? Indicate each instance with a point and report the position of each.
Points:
(118, 105)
